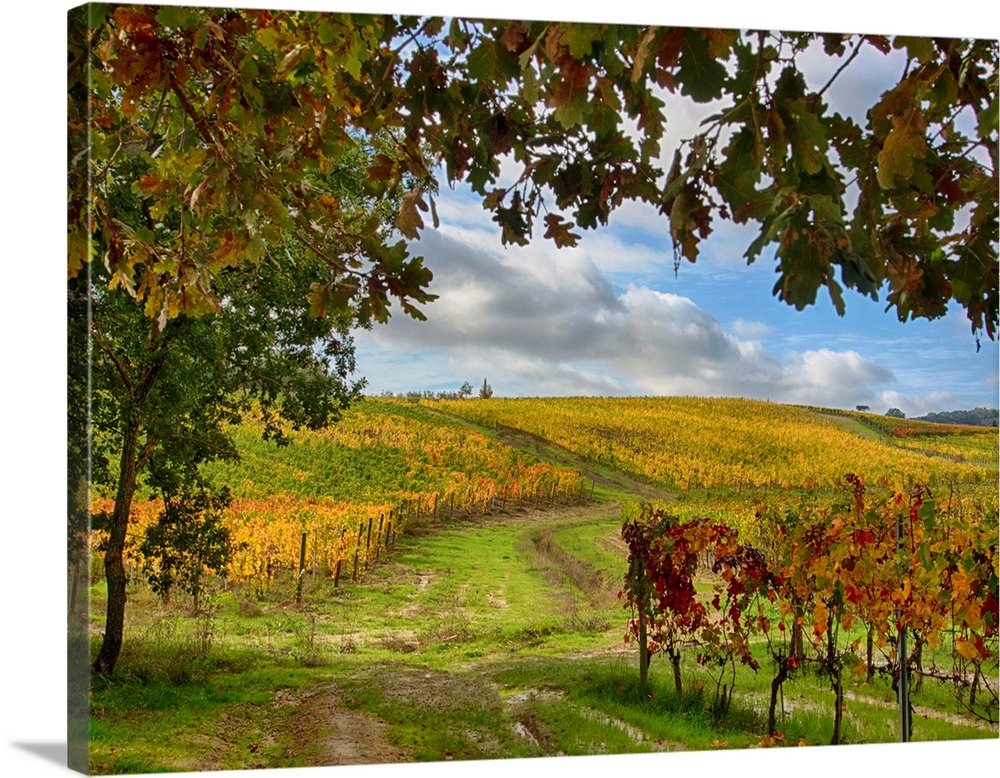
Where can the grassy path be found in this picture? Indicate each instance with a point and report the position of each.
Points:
(615, 484)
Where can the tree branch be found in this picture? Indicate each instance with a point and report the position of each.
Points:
(105, 347)
(846, 62)
(336, 264)
(188, 108)
(147, 451)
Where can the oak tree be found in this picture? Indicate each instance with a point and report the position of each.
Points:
(174, 329)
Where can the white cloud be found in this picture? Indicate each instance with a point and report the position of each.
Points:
(752, 330)
(837, 378)
(637, 215)
(919, 405)
(466, 210)
(546, 321)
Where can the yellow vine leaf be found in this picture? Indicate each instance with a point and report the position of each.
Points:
(966, 649)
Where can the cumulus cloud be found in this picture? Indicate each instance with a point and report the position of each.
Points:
(919, 405)
(833, 378)
(548, 322)
(751, 330)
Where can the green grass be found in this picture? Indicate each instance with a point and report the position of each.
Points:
(147, 721)
(480, 640)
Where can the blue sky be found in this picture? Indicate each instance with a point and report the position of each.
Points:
(611, 317)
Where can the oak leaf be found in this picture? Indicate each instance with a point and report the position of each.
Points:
(559, 231)
(409, 220)
(904, 144)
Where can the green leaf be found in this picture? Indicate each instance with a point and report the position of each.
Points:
(269, 38)
(856, 274)
(325, 30)
(701, 76)
(920, 49)
(529, 86)
(737, 176)
(988, 121)
(457, 38)
(178, 17)
(482, 62)
(677, 179)
(836, 296)
(574, 111)
(513, 227)
(352, 65)
(580, 38)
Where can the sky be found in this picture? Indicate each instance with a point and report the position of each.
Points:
(611, 316)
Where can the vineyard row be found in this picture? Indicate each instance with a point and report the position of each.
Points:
(271, 534)
(850, 580)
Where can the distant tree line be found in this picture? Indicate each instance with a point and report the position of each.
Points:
(981, 417)
(463, 393)
(978, 417)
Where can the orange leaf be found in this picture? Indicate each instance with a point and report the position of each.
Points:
(149, 183)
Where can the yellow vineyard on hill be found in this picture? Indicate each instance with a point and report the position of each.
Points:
(349, 486)
(689, 443)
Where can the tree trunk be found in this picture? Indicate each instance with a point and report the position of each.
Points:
(643, 652)
(675, 661)
(74, 586)
(797, 647)
(643, 646)
(302, 570)
(776, 683)
(838, 714)
(114, 566)
(870, 654)
(831, 642)
(836, 675)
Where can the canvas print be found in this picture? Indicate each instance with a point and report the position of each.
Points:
(467, 389)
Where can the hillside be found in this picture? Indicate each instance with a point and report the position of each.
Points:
(383, 451)
(690, 443)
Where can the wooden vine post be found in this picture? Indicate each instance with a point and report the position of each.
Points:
(368, 541)
(357, 550)
(336, 572)
(905, 722)
(643, 645)
(302, 570)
